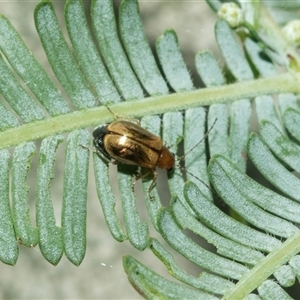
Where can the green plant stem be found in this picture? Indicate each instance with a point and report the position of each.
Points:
(265, 268)
(284, 83)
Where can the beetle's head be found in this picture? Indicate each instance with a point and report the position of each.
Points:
(166, 160)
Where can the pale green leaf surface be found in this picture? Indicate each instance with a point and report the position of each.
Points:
(17, 97)
(252, 297)
(75, 196)
(137, 230)
(261, 61)
(286, 101)
(31, 72)
(153, 286)
(219, 133)
(240, 117)
(285, 276)
(259, 195)
(266, 110)
(50, 235)
(208, 69)
(9, 250)
(87, 53)
(291, 120)
(276, 174)
(106, 198)
(232, 51)
(271, 290)
(138, 49)
(153, 124)
(60, 57)
(172, 62)
(174, 236)
(172, 136)
(226, 226)
(225, 247)
(105, 30)
(205, 281)
(286, 150)
(195, 159)
(295, 264)
(25, 232)
(239, 192)
(7, 119)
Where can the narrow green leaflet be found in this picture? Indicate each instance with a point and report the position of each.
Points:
(174, 236)
(60, 57)
(31, 72)
(226, 226)
(208, 69)
(172, 136)
(266, 110)
(105, 29)
(17, 97)
(261, 61)
(205, 281)
(225, 247)
(291, 120)
(286, 150)
(153, 286)
(9, 250)
(218, 115)
(87, 53)
(295, 264)
(153, 124)
(276, 174)
(107, 199)
(138, 49)
(7, 119)
(240, 192)
(240, 116)
(137, 230)
(50, 235)
(269, 289)
(25, 232)
(195, 159)
(232, 51)
(286, 101)
(172, 62)
(285, 276)
(75, 195)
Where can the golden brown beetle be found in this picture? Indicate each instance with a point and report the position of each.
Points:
(131, 144)
(127, 142)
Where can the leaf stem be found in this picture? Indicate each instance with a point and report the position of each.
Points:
(265, 268)
(284, 83)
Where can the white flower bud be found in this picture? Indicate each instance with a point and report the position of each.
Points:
(232, 13)
(291, 31)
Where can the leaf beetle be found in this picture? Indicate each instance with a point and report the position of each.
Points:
(125, 141)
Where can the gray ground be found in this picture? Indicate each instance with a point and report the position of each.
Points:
(101, 274)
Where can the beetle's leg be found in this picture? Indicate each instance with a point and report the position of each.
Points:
(88, 148)
(153, 181)
(152, 184)
(141, 176)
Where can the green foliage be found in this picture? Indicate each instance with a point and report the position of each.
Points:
(263, 240)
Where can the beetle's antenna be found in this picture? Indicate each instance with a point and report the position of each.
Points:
(204, 137)
(185, 170)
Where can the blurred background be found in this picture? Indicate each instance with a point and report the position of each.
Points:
(101, 274)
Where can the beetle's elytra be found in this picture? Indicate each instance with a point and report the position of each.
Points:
(126, 142)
